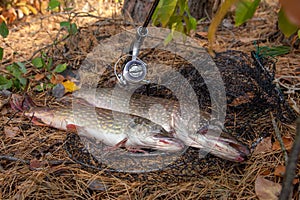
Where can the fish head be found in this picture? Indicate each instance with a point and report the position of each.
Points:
(227, 147)
(148, 134)
(212, 139)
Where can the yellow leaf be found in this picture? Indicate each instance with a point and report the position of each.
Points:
(44, 7)
(70, 86)
(25, 10)
(32, 9)
(21, 4)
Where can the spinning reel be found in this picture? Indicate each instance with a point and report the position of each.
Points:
(135, 70)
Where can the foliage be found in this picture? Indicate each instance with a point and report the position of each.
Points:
(286, 27)
(71, 27)
(245, 10)
(16, 77)
(46, 69)
(175, 15)
(4, 33)
(3, 30)
(53, 4)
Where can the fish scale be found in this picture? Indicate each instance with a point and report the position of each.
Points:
(219, 143)
(111, 129)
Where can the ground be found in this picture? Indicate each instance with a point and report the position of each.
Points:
(34, 160)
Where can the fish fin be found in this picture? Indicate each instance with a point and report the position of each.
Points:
(71, 127)
(21, 103)
(136, 150)
(16, 102)
(35, 121)
(118, 145)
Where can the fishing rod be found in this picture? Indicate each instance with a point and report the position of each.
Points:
(135, 70)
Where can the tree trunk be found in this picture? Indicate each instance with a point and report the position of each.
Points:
(138, 9)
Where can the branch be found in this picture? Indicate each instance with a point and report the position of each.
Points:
(290, 171)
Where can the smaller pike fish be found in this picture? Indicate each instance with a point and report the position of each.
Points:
(216, 142)
(112, 128)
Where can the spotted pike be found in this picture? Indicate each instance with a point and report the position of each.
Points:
(218, 143)
(113, 129)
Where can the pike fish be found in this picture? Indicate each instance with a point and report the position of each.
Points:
(114, 129)
(219, 143)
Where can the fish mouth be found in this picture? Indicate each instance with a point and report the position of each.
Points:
(215, 140)
(227, 147)
(168, 144)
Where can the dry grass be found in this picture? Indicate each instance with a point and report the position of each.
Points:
(58, 177)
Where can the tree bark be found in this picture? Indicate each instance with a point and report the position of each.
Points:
(138, 9)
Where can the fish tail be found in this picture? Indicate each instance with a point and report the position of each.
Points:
(21, 103)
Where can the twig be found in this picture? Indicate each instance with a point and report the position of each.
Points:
(278, 135)
(290, 171)
(11, 158)
(50, 162)
(10, 118)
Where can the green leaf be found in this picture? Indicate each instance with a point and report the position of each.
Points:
(3, 30)
(1, 53)
(181, 5)
(164, 12)
(23, 81)
(245, 10)
(53, 4)
(168, 39)
(49, 76)
(65, 24)
(37, 62)
(286, 27)
(60, 68)
(49, 64)
(14, 70)
(73, 29)
(5, 83)
(39, 88)
(299, 33)
(16, 83)
(22, 67)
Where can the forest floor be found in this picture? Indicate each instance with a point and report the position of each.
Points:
(35, 161)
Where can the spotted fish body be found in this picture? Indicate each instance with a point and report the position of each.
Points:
(223, 145)
(111, 128)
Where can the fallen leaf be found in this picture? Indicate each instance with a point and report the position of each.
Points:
(11, 131)
(70, 86)
(242, 99)
(295, 181)
(264, 146)
(287, 141)
(44, 7)
(266, 190)
(39, 77)
(96, 185)
(56, 79)
(32, 9)
(9, 15)
(25, 10)
(279, 171)
(37, 5)
(35, 164)
(266, 172)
